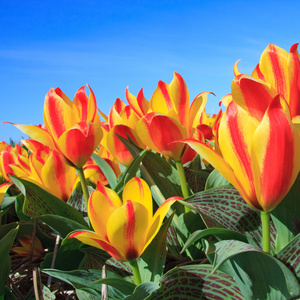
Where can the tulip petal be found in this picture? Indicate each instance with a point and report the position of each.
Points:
(275, 148)
(78, 143)
(273, 65)
(126, 229)
(103, 202)
(84, 107)
(235, 135)
(180, 98)
(92, 239)
(197, 107)
(58, 115)
(139, 104)
(37, 133)
(294, 81)
(254, 95)
(137, 190)
(58, 177)
(160, 101)
(159, 133)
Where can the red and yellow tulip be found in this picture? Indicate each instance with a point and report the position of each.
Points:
(259, 157)
(170, 118)
(278, 72)
(123, 228)
(25, 248)
(73, 128)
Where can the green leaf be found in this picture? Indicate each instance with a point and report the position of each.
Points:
(131, 171)
(106, 169)
(225, 206)
(7, 202)
(5, 261)
(39, 202)
(257, 274)
(220, 233)
(187, 224)
(215, 179)
(152, 262)
(86, 293)
(290, 255)
(120, 284)
(196, 176)
(19, 208)
(61, 224)
(143, 291)
(85, 280)
(196, 282)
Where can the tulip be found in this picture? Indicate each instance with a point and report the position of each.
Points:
(72, 128)
(248, 149)
(171, 118)
(50, 171)
(25, 248)
(278, 72)
(125, 228)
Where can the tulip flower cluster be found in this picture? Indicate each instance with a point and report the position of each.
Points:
(254, 144)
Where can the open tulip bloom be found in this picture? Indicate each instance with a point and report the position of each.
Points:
(125, 228)
(250, 149)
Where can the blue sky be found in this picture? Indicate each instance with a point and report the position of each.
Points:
(114, 44)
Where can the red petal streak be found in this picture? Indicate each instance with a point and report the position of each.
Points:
(55, 118)
(129, 230)
(278, 72)
(163, 88)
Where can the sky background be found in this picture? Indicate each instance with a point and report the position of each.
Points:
(114, 44)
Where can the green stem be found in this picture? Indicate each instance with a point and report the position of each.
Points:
(265, 220)
(183, 183)
(84, 186)
(136, 271)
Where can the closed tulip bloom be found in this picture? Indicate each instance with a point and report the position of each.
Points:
(123, 228)
(170, 117)
(73, 128)
(259, 158)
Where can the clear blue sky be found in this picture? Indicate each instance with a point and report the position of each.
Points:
(114, 44)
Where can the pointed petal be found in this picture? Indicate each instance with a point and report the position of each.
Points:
(180, 98)
(92, 239)
(137, 190)
(139, 104)
(294, 81)
(275, 148)
(37, 133)
(273, 65)
(78, 143)
(160, 101)
(58, 116)
(196, 109)
(127, 229)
